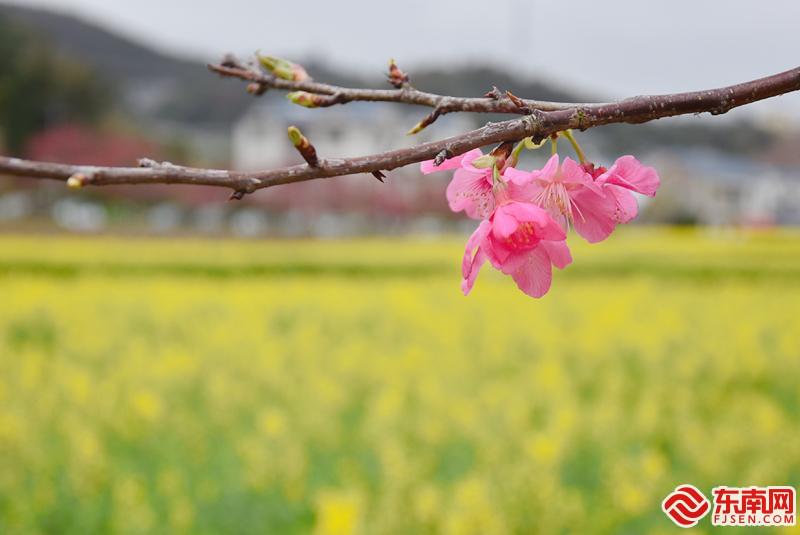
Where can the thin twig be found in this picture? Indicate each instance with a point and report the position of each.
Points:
(405, 95)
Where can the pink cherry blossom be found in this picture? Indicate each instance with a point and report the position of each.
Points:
(629, 173)
(471, 188)
(569, 194)
(626, 175)
(519, 239)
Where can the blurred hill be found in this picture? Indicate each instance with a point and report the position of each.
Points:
(159, 85)
(148, 83)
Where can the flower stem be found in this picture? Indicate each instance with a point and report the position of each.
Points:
(574, 142)
(496, 180)
(514, 159)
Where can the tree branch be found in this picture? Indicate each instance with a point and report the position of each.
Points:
(537, 123)
(405, 94)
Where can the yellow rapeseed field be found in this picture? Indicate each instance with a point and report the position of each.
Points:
(335, 387)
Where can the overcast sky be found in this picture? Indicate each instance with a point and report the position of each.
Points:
(618, 47)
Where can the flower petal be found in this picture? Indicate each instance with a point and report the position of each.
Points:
(471, 264)
(558, 252)
(575, 174)
(497, 251)
(504, 222)
(469, 279)
(520, 185)
(629, 173)
(627, 207)
(471, 192)
(548, 172)
(512, 261)
(473, 243)
(512, 175)
(535, 275)
(593, 215)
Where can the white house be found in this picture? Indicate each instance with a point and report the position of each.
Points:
(259, 139)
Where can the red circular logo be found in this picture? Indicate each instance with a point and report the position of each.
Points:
(686, 505)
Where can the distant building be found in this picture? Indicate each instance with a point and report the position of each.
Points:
(720, 189)
(259, 138)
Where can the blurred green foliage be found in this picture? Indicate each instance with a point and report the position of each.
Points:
(39, 88)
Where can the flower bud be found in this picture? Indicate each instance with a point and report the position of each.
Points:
(76, 181)
(425, 122)
(419, 127)
(441, 157)
(303, 146)
(303, 98)
(397, 78)
(254, 88)
(283, 68)
(296, 137)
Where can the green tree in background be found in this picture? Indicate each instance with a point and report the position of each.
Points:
(38, 88)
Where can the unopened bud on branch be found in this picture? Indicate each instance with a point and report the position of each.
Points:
(296, 136)
(423, 124)
(494, 93)
(441, 157)
(305, 99)
(396, 77)
(283, 68)
(254, 88)
(419, 127)
(78, 180)
(518, 102)
(303, 146)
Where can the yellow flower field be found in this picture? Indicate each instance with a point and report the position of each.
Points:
(187, 386)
